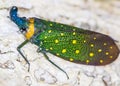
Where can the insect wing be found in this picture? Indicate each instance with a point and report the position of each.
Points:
(78, 45)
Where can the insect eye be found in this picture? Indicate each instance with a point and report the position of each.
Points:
(22, 30)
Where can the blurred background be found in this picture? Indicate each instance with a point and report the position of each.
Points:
(97, 15)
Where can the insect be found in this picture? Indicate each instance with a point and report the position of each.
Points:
(67, 42)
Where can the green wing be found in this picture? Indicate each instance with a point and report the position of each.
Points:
(78, 45)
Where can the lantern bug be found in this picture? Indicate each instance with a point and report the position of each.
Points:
(67, 42)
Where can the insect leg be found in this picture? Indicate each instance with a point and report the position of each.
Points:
(39, 50)
(19, 50)
(54, 64)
